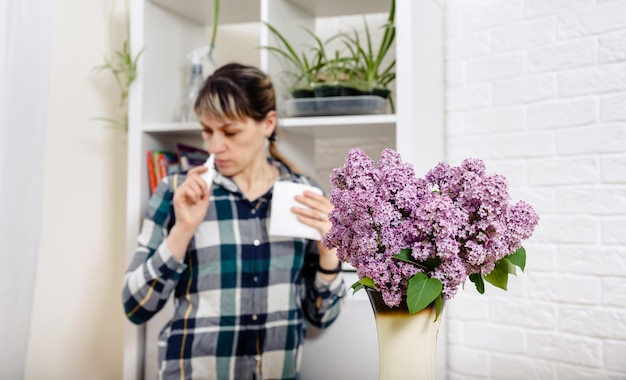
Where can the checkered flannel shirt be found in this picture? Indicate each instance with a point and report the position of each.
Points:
(242, 298)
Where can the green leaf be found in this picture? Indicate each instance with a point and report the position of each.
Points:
(428, 265)
(123, 66)
(438, 306)
(304, 70)
(510, 268)
(431, 263)
(518, 258)
(500, 274)
(422, 291)
(216, 14)
(364, 282)
(477, 279)
(405, 255)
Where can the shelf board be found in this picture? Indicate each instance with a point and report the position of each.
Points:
(201, 11)
(340, 126)
(333, 8)
(323, 126)
(172, 127)
(242, 11)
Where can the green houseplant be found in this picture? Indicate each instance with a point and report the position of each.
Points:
(315, 71)
(333, 74)
(123, 66)
(305, 70)
(368, 63)
(364, 69)
(359, 68)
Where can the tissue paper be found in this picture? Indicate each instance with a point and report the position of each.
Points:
(283, 222)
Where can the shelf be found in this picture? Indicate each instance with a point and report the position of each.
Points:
(327, 126)
(201, 11)
(242, 11)
(334, 8)
(340, 126)
(190, 127)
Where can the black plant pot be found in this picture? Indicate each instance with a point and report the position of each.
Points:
(303, 93)
(325, 90)
(382, 92)
(352, 91)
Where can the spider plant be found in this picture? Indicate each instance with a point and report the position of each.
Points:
(332, 72)
(123, 65)
(368, 62)
(216, 17)
(305, 71)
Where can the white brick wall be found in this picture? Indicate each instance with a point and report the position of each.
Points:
(537, 88)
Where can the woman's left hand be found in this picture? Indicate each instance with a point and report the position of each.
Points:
(315, 214)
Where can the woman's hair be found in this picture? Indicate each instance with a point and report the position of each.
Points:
(236, 92)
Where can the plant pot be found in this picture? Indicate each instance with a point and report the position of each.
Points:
(302, 93)
(382, 92)
(407, 344)
(326, 90)
(347, 90)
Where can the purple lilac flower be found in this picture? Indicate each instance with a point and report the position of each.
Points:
(459, 215)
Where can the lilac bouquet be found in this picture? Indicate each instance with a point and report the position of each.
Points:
(421, 238)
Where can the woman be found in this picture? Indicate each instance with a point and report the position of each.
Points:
(240, 296)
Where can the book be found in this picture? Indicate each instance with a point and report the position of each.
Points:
(152, 179)
(168, 163)
(160, 164)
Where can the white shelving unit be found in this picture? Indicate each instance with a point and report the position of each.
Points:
(168, 29)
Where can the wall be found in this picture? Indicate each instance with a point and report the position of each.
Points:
(538, 90)
(76, 327)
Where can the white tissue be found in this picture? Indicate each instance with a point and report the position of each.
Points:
(283, 222)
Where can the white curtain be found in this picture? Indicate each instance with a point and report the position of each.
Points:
(25, 55)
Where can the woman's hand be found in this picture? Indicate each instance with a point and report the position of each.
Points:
(316, 212)
(316, 216)
(191, 202)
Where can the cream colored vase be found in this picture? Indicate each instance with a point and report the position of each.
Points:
(407, 344)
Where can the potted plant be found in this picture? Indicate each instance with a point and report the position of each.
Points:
(317, 73)
(305, 71)
(415, 241)
(332, 77)
(368, 62)
(123, 66)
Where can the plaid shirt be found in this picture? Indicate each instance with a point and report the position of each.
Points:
(240, 296)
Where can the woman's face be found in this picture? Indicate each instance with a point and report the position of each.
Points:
(236, 144)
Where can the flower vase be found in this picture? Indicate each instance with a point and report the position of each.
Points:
(407, 344)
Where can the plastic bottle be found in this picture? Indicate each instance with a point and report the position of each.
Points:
(187, 113)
